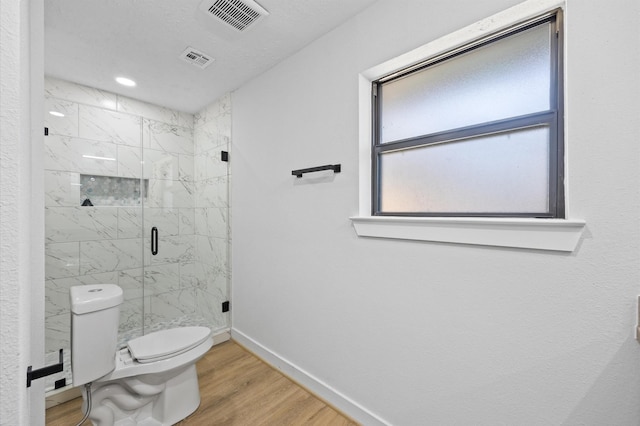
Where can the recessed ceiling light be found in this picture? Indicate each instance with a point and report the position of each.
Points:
(56, 114)
(126, 81)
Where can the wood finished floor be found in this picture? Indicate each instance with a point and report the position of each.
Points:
(237, 388)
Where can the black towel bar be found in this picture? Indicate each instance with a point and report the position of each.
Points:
(335, 167)
(45, 371)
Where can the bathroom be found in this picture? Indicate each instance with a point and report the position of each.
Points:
(395, 331)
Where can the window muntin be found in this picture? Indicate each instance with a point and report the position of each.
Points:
(475, 133)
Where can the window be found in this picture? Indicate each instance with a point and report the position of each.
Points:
(477, 131)
(474, 206)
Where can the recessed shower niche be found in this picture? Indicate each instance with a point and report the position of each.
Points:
(112, 191)
(140, 166)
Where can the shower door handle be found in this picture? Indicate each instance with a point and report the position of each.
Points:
(154, 241)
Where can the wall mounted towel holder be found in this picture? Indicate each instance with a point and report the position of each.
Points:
(45, 371)
(335, 167)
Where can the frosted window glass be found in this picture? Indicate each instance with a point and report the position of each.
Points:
(507, 78)
(501, 173)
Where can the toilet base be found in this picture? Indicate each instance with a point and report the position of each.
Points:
(146, 400)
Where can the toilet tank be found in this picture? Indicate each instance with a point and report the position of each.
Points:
(95, 313)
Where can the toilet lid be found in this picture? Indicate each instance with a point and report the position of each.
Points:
(165, 343)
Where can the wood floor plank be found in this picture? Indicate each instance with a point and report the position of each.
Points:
(238, 389)
(69, 413)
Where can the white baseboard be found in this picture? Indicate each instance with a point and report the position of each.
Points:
(308, 381)
(67, 393)
(220, 336)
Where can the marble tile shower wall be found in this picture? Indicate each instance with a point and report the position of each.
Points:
(186, 200)
(212, 135)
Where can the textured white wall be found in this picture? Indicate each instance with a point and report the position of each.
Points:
(422, 333)
(21, 213)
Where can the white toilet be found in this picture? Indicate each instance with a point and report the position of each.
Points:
(151, 381)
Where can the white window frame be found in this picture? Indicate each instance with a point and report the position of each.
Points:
(532, 233)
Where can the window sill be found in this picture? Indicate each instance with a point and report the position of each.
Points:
(539, 234)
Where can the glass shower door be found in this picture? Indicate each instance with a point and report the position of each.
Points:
(169, 284)
(186, 222)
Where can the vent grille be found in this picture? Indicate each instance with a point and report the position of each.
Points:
(237, 14)
(195, 57)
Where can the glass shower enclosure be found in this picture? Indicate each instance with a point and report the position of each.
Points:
(122, 176)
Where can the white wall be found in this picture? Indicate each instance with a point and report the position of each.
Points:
(422, 333)
(21, 212)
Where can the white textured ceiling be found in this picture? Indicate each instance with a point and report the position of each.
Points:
(92, 41)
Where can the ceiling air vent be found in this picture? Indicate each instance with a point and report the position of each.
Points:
(195, 57)
(235, 13)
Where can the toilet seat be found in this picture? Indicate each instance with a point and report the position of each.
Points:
(165, 344)
(127, 366)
